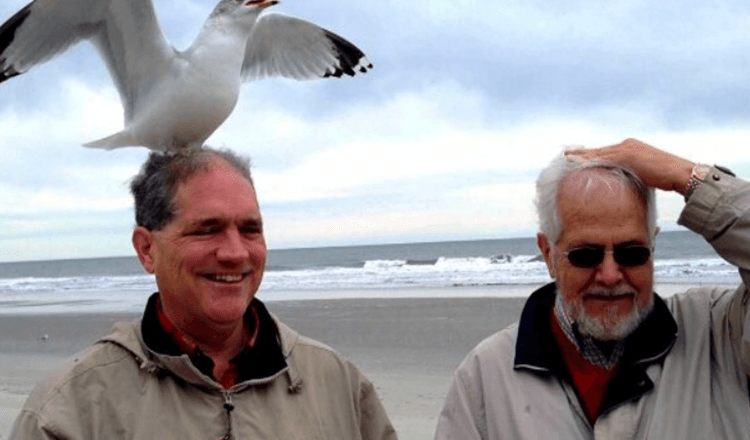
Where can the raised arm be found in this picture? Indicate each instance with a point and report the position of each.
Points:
(655, 167)
(718, 208)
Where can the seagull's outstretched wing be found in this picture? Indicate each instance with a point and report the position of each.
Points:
(126, 33)
(280, 45)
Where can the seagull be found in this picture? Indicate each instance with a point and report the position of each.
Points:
(174, 99)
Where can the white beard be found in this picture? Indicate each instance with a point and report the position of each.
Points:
(607, 327)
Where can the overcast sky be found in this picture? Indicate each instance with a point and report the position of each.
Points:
(442, 140)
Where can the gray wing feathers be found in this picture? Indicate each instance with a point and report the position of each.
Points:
(134, 48)
(37, 33)
(125, 32)
(280, 45)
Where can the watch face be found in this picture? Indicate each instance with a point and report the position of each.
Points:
(700, 171)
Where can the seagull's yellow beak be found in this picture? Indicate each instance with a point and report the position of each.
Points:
(262, 4)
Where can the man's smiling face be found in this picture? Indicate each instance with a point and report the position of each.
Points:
(209, 260)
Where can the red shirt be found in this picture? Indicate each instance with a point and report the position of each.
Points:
(187, 345)
(589, 380)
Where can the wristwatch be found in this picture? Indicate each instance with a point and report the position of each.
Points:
(698, 176)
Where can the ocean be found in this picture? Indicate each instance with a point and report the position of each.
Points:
(119, 284)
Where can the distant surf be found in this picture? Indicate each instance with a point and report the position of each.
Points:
(414, 269)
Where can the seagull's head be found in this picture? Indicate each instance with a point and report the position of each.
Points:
(241, 8)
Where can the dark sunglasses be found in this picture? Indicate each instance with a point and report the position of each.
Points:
(627, 255)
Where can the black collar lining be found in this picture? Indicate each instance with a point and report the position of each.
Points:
(537, 352)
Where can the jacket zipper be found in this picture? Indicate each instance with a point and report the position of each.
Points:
(228, 407)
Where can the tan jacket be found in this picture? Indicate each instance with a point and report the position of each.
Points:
(688, 378)
(118, 389)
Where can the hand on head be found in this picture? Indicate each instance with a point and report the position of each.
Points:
(656, 168)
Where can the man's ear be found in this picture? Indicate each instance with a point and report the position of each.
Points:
(143, 242)
(546, 250)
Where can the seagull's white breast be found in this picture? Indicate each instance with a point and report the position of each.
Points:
(187, 104)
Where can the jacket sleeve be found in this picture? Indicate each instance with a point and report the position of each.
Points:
(719, 210)
(462, 417)
(374, 422)
(28, 426)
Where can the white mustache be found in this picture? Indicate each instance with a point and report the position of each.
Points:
(609, 292)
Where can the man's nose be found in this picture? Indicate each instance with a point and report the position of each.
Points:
(232, 247)
(609, 273)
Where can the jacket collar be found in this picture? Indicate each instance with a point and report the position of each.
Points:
(130, 336)
(536, 348)
(261, 359)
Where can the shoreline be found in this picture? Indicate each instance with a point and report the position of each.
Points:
(407, 346)
(135, 300)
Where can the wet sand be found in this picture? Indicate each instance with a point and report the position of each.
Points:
(407, 347)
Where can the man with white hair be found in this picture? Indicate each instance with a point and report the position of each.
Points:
(596, 353)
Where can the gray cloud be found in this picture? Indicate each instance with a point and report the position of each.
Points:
(466, 93)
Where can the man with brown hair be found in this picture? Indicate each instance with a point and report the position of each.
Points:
(207, 360)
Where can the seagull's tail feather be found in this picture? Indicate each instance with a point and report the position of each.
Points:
(117, 140)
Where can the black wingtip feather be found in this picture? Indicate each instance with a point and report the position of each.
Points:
(7, 35)
(349, 56)
(8, 73)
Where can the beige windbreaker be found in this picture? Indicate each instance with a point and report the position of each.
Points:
(688, 379)
(117, 389)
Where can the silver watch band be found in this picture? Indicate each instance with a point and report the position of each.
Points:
(697, 176)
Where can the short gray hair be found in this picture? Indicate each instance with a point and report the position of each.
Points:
(548, 185)
(155, 186)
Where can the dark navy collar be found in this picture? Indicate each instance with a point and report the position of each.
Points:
(264, 359)
(537, 351)
(535, 345)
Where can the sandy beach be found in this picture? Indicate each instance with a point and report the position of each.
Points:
(407, 347)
